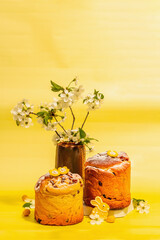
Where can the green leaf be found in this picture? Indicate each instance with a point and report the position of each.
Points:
(82, 133)
(93, 139)
(50, 117)
(86, 140)
(137, 201)
(46, 120)
(28, 204)
(70, 89)
(55, 87)
(95, 91)
(40, 114)
(17, 122)
(102, 96)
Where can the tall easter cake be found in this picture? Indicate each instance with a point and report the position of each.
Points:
(107, 175)
(59, 198)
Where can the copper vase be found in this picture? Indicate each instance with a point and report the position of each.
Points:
(72, 156)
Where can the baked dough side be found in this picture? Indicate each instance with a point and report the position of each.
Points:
(59, 210)
(60, 204)
(111, 184)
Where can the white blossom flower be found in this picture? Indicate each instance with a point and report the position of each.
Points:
(75, 139)
(51, 126)
(76, 81)
(48, 125)
(50, 115)
(66, 98)
(68, 136)
(77, 92)
(69, 96)
(21, 113)
(73, 136)
(143, 207)
(54, 105)
(44, 105)
(93, 101)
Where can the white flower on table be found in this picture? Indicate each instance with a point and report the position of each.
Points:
(29, 203)
(143, 207)
(95, 219)
(21, 113)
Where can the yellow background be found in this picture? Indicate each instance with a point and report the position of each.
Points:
(113, 46)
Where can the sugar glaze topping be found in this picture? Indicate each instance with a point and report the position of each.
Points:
(59, 181)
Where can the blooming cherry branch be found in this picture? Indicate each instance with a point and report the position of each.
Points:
(93, 101)
(52, 115)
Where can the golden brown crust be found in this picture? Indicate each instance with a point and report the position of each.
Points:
(109, 179)
(59, 200)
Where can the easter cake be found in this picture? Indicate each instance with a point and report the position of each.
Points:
(59, 198)
(107, 175)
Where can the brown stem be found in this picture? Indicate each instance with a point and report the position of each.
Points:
(85, 119)
(60, 124)
(73, 117)
(33, 113)
(55, 130)
(57, 134)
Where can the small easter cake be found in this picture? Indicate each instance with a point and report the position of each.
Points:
(59, 198)
(107, 175)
